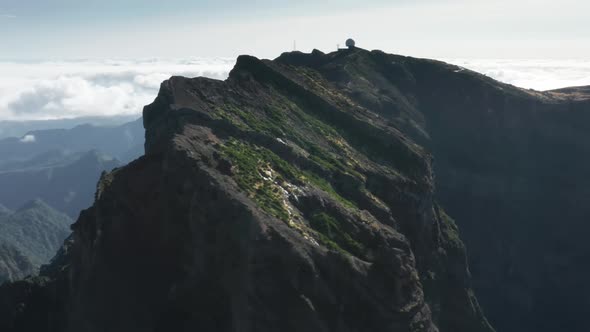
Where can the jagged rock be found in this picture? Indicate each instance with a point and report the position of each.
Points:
(297, 195)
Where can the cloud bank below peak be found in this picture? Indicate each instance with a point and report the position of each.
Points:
(71, 89)
(532, 74)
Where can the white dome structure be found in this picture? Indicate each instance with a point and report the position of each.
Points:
(350, 43)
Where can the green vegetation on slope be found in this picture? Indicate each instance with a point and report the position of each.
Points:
(267, 178)
(333, 236)
(36, 230)
(271, 181)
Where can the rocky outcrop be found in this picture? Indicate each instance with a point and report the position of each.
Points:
(297, 195)
(270, 201)
(511, 169)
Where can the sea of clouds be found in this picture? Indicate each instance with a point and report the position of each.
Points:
(69, 89)
(532, 74)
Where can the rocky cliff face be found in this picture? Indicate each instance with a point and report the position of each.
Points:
(297, 195)
(511, 169)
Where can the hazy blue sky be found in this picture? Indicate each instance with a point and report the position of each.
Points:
(108, 57)
(43, 29)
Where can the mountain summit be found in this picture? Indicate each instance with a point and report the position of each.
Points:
(299, 195)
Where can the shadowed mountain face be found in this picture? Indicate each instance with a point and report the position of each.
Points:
(300, 195)
(510, 168)
(30, 237)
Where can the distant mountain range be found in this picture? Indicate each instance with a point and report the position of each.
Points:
(20, 128)
(68, 186)
(46, 171)
(62, 166)
(29, 237)
(124, 142)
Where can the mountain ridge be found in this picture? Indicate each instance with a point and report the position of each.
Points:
(300, 194)
(15, 128)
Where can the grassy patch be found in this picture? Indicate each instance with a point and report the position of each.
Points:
(250, 164)
(247, 119)
(252, 161)
(449, 229)
(332, 235)
(284, 119)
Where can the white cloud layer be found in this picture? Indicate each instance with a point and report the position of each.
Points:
(532, 74)
(28, 139)
(69, 89)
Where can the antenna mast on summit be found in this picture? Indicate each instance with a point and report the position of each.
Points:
(294, 45)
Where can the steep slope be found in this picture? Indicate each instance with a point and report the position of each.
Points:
(263, 203)
(511, 169)
(510, 166)
(66, 182)
(299, 194)
(30, 237)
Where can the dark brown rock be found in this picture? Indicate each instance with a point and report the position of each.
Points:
(298, 195)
